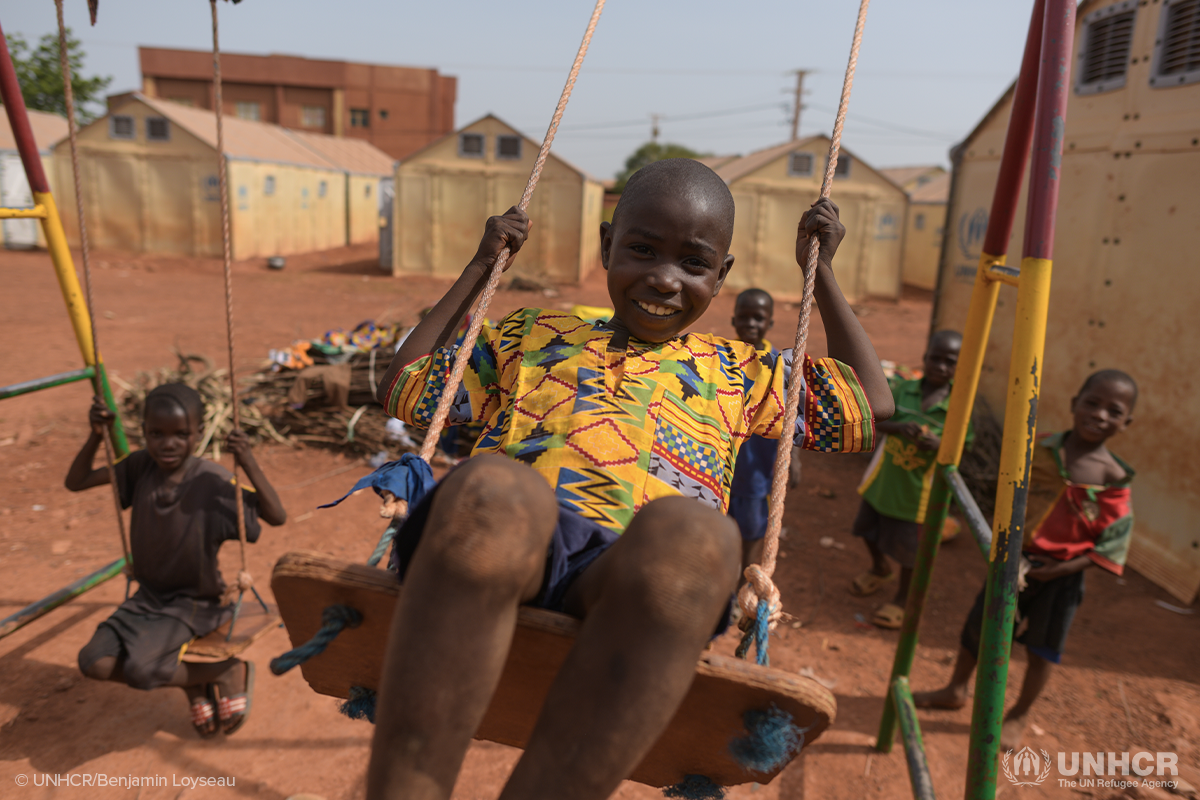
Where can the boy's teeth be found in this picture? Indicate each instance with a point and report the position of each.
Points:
(658, 311)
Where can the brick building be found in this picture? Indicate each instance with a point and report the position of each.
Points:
(397, 109)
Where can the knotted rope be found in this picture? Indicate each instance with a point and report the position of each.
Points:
(244, 581)
(493, 282)
(85, 254)
(759, 587)
(334, 620)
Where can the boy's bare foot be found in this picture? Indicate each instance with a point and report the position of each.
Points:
(1012, 731)
(948, 698)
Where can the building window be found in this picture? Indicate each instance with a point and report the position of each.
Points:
(122, 126)
(800, 164)
(919, 222)
(158, 129)
(360, 118)
(250, 111)
(470, 145)
(183, 101)
(312, 117)
(322, 188)
(1104, 57)
(842, 170)
(508, 147)
(1177, 51)
(268, 186)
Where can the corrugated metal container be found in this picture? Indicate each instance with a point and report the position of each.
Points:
(1125, 280)
(48, 129)
(773, 187)
(151, 184)
(446, 192)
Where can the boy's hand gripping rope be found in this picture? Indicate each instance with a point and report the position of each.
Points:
(493, 282)
(244, 581)
(759, 593)
(85, 254)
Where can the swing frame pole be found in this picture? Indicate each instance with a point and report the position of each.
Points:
(970, 362)
(56, 243)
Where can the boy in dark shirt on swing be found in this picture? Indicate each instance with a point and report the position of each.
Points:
(581, 494)
(182, 511)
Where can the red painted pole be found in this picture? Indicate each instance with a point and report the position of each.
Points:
(1017, 142)
(18, 120)
(1050, 127)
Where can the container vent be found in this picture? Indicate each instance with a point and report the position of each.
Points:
(1177, 59)
(1105, 57)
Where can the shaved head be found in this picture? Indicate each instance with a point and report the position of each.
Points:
(1114, 377)
(680, 177)
(951, 340)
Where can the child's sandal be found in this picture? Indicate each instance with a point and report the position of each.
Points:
(233, 710)
(204, 716)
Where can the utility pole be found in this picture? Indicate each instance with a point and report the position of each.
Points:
(800, 73)
(654, 127)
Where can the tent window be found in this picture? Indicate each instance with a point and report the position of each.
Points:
(121, 126)
(312, 116)
(800, 164)
(1177, 53)
(470, 145)
(322, 188)
(158, 129)
(360, 118)
(842, 170)
(508, 147)
(367, 190)
(919, 222)
(250, 111)
(269, 185)
(1104, 56)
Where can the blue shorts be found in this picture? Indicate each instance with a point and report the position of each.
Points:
(750, 514)
(576, 543)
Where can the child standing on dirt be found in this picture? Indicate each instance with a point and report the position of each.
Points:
(750, 490)
(895, 488)
(183, 509)
(598, 488)
(1078, 514)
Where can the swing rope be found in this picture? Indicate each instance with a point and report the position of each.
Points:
(244, 581)
(493, 282)
(759, 594)
(69, 94)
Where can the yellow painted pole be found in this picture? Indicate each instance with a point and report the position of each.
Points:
(68, 281)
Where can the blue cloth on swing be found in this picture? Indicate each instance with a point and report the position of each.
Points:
(409, 479)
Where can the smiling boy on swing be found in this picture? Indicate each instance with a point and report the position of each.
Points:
(581, 493)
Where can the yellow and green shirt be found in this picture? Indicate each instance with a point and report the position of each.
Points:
(613, 429)
(900, 475)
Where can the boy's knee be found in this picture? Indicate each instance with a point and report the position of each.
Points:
(492, 519)
(142, 676)
(689, 557)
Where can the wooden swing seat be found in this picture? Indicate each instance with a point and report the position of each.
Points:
(695, 743)
(252, 624)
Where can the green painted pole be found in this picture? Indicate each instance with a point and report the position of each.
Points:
(120, 443)
(17, 389)
(49, 603)
(918, 587)
(914, 747)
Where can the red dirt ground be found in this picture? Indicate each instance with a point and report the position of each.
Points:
(1129, 681)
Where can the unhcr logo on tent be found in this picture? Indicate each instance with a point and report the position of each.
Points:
(971, 229)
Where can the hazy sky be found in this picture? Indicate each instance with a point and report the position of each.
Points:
(718, 72)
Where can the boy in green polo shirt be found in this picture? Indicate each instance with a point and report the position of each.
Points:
(895, 488)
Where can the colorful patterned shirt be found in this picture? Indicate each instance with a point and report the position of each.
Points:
(1065, 520)
(613, 429)
(898, 480)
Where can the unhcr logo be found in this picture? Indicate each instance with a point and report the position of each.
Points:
(971, 229)
(1028, 767)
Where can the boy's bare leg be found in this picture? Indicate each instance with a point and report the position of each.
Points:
(482, 554)
(954, 694)
(901, 598)
(879, 562)
(1037, 673)
(650, 604)
(752, 551)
